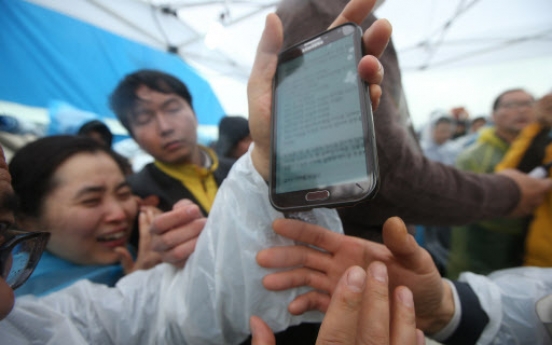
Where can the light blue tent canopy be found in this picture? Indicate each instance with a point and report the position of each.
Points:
(47, 57)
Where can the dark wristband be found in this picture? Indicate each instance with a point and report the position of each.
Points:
(473, 319)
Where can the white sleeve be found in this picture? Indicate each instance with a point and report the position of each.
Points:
(509, 297)
(209, 301)
(88, 313)
(221, 285)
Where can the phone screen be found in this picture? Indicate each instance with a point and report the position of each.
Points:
(320, 139)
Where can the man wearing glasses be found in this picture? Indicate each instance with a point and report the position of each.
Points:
(488, 246)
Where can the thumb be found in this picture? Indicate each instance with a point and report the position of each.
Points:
(401, 243)
(145, 219)
(125, 259)
(262, 334)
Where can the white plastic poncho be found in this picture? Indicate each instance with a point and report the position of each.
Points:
(509, 297)
(208, 302)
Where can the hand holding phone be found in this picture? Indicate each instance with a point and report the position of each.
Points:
(323, 144)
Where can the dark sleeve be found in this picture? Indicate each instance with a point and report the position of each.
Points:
(473, 319)
(425, 192)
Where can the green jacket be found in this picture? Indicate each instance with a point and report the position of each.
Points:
(485, 246)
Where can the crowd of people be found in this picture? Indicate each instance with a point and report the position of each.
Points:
(516, 138)
(189, 249)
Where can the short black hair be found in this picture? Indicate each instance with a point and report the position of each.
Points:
(496, 103)
(478, 119)
(232, 129)
(443, 119)
(98, 127)
(33, 166)
(123, 99)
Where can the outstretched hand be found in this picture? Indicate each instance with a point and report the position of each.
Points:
(259, 88)
(175, 233)
(146, 258)
(533, 191)
(165, 237)
(361, 312)
(408, 265)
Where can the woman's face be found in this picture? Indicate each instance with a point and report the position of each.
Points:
(90, 211)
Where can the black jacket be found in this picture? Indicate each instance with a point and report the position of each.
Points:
(152, 181)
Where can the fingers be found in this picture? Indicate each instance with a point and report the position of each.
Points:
(397, 238)
(547, 184)
(262, 334)
(152, 200)
(402, 244)
(371, 70)
(375, 95)
(308, 233)
(179, 216)
(355, 11)
(420, 338)
(403, 318)
(145, 219)
(374, 317)
(532, 190)
(259, 92)
(145, 253)
(292, 256)
(176, 245)
(312, 300)
(125, 259)
(264, 67)
(269, 45)
(296, 278)
(375, 40)
(340, 323)
(376, 37)
(182, 203)
(179, 254)
(174, 234)
(360, 313)
(178, 235)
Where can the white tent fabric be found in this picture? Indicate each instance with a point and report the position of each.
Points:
(428, 34)
(431, 34)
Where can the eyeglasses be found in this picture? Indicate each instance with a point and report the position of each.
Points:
(20, 251)
(516, 105)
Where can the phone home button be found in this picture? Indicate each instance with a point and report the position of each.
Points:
(317, 196)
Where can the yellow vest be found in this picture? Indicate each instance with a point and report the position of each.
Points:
(200, 181)
(538, 243)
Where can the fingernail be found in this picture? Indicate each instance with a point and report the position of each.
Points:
(356, 278)
(405, 295)
(379, 271)
(193, 210)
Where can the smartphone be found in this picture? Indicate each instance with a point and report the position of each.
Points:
(323, 151)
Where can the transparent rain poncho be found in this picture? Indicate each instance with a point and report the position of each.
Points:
(208, 302)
